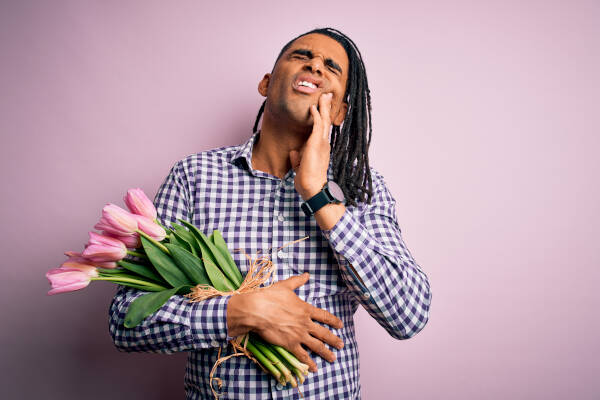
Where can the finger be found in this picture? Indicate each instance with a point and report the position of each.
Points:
(295, 281)
(325, 108)
(325, 335)
(318, 314)
(303, 357)
(317, 122)
(319, 347)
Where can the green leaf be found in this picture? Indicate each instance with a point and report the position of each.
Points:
(217, 278)
(210, 253)
(191, 265)
(189, 240)
(110, 271)
(146, 305)
(224, 250)
(146, 271)
(176, 240)
(188, 236)
(141, 287)
(164, 265)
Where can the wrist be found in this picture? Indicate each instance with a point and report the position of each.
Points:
(309, 191)
(238, 319)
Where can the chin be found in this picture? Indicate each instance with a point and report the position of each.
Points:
(299, 113)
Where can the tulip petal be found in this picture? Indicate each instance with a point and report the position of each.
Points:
(138, 203)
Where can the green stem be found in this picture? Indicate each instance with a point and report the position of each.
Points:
(287, 374)
(155, 242)
(137, 254)
(263, 360)
(289, 357)
(125, 279)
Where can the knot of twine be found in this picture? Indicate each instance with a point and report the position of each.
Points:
(260, 270)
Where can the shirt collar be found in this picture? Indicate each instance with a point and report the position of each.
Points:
(244, 154)
(244, 151)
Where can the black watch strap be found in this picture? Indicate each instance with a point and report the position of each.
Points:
(318, 201)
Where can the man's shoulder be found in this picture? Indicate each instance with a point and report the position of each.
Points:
(218, 157)
(376, 178)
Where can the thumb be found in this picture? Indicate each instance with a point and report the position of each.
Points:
(294, 282)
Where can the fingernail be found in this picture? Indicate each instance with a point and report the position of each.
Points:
(330, 94)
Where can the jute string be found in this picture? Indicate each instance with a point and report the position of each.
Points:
(260, 270)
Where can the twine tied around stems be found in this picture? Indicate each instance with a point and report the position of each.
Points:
(260, 270)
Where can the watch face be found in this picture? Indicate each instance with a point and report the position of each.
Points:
(336, 191)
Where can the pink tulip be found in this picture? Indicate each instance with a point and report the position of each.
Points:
(102, 248)
(138, 203)
(150, 228)
(116, 221)
(66, 281)
(79, 258)
(87, 269)
(132, 241)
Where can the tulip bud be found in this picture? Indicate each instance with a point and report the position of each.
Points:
(138, 203)
(131, 241)
(87, 269)
(66, 281)
(150, 228)
(79, 258)
(102, 248)
(116, 221)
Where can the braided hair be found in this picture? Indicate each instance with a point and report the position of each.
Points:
(350, 144)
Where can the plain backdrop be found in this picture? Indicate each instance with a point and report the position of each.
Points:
(486, 123)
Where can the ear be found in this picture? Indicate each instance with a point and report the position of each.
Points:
(263, 85)
(339, 118)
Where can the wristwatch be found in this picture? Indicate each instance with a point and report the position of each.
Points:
(330, 193)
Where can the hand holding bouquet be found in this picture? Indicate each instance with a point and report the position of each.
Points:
(134, 250)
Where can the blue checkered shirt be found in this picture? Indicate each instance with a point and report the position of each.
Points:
(219, 189)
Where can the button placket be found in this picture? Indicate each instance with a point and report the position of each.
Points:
(278, 233)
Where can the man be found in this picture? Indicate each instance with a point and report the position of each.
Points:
(270, 191)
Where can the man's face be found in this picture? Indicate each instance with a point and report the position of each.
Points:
(312, 65)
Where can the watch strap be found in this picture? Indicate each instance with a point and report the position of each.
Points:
(318, 201)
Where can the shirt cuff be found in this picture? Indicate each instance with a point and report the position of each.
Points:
(209, 321)
(348, 237)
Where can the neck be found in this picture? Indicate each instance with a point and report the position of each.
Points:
(271, 154)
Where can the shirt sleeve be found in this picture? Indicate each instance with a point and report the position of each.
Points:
(378, 267)
(178, 325)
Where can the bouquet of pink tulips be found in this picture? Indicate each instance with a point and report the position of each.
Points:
(135, 250)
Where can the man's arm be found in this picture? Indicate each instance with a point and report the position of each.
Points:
(178, 325)
(376, 264)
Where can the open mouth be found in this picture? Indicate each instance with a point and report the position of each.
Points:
(306, 84)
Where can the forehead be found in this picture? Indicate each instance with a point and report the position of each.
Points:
(322, 45)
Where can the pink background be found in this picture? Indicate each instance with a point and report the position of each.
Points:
(486, 126)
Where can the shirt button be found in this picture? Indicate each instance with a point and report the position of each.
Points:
(280, 218)
(214, 343)
(279, 386)
(366, 295)
(281, 254)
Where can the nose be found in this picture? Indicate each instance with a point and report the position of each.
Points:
(315, 65)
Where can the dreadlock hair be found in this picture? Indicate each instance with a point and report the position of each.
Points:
(350, 145)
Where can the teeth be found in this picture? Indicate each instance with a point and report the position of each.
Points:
(307, 84)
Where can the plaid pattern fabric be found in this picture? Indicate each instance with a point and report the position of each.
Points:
(361, 260)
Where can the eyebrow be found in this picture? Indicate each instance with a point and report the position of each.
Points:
(328, 61)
